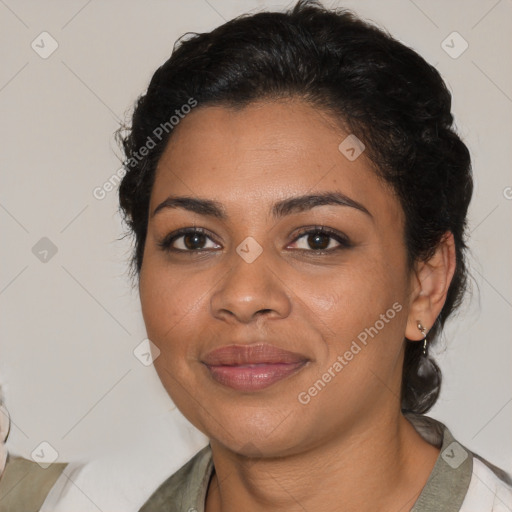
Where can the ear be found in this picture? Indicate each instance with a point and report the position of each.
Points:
(430, 282)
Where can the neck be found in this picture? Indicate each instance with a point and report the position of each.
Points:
(383, 464)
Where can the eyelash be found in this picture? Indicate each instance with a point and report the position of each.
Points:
(166, 243)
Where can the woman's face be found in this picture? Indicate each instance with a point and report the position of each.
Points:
(337, 301)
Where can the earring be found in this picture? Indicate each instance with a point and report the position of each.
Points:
(424, 332)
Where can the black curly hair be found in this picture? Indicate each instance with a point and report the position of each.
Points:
(378, 88)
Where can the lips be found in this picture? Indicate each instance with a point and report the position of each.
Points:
(252, 367)
(232, 355)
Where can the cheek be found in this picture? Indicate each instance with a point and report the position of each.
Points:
(170, 303)
(363, 303)
(361, 315)
(168, 298)
(355, 294)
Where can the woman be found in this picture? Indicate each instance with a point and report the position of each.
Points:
(299, 245)
(298, 197)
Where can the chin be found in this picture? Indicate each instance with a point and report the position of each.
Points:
(255, 433)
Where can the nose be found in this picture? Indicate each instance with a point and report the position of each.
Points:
(251, 290)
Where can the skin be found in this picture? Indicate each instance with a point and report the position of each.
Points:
(350, 443)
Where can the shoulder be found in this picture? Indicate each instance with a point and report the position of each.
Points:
(490, 489)
(4, 431)
(24, 484)
(186, 487)
(461, 479)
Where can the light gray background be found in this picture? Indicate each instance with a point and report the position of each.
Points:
(69, 325)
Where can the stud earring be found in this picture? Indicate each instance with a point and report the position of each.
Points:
(424, 332)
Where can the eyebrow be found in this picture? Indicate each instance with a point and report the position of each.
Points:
(211, 208)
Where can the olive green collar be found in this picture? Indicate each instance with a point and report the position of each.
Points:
(445, 489)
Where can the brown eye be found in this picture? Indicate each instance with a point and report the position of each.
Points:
(318, 241)
(188, 240)
(194, 240)
(321, 240)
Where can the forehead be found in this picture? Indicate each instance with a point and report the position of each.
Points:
(264, 152)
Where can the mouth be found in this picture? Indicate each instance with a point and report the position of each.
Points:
(253, 377)
(252, 367)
